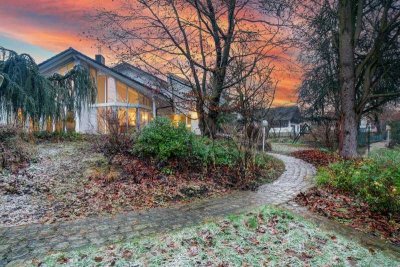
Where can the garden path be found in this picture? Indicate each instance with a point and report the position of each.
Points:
(21, 243)
(376, 146)
(287, 148)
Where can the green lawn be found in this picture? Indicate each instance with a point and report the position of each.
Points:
(264, 237)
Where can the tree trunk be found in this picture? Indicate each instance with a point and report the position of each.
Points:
(210, 129)
(211, 118)
(202, 117)
(348, 127)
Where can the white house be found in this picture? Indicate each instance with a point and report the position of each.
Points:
(136, 95)
(284, 121)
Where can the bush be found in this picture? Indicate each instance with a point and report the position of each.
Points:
(376, 181)
(175, 146)
(163, 140)
(221, 152)
(117, 140)
(395, 133)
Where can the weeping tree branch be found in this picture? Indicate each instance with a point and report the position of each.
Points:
(26, 92)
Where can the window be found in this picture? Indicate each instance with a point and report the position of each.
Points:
(101, 120)
(121, 92)
(93, 73)
(145, 117)
(63, 70)
(133, 96)
(178, 118)
(144, 101)
(122, 119)
(101, 89)
(188, 123)
(131, 117)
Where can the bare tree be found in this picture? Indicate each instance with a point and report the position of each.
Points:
(250, 100)
(114, 137)
(355, 59)
(196, 39)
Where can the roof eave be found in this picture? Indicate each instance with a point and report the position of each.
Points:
(64, 56)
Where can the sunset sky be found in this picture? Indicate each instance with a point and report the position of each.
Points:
(43, 28)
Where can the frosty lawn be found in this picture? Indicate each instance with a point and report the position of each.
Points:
(264, 237)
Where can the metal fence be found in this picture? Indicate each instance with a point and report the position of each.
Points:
(365, 138)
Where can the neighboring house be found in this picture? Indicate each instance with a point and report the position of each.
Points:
(367, 124)
(284, 121)
(136, 95)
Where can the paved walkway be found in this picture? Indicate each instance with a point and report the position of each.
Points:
(287, 148)
(21, 243)
(375, 146)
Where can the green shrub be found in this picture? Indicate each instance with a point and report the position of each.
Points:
(222, 152)
(395, 132)
(376, 181)
(163, 140)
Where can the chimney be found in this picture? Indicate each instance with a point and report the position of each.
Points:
(99, 58)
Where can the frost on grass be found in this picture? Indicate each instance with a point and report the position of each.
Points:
(264, 237)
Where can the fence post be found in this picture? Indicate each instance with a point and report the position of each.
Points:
(388, 134)
(368, 137)
(264, 124)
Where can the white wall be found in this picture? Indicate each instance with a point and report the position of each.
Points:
(195, 127)
(87, 122)
(111, 90)
(286, 130)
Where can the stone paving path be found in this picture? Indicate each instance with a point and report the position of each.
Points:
(21, 243)
(375, 146)
(287, 148)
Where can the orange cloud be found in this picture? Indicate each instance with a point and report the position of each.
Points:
(57, 25)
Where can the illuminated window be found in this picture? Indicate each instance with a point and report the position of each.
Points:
(145, 101)
(188, 123)
(121, 92)
(131, 117)
(93, 73)
(101, 120)
(101, 89)
(133, 96)
(145, 117)
(178, 118)
(193, 115)
(122, 119)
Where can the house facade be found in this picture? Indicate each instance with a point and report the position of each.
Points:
(284, 121)
(135, 95)
(180, 92)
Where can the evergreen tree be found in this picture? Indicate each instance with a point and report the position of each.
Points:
(25, 93)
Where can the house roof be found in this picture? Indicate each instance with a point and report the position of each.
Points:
(138, 73)
(71, 53)
(175, 78)
(290, 113)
